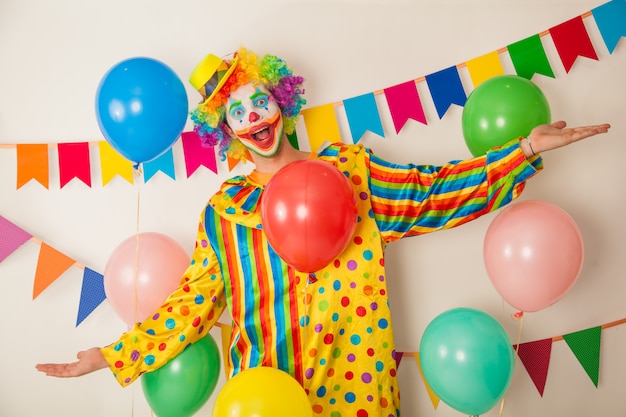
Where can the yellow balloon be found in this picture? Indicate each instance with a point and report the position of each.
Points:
(262, 392)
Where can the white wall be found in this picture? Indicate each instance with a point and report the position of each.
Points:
(53, 54)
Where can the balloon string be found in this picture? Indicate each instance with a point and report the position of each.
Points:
(137, 172)
(517, 316)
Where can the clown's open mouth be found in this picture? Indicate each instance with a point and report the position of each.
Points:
(262, 134)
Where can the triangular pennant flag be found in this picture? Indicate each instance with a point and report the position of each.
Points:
(321, 125)
(404, 104)
(484, 67)
(74, 162)
(196, 154)
(585, 345)
(434, 399)
(11, 238)
(32, 163)
(446, 89)
(536, 358)
(113, 163)
(232, 162)
(529, 58)
(293, 139)
(50, 265)
(399, 356)
(362, 114)
(571, 41)
(226, 331)
(611, 21)
(91, 294)
(164, 163)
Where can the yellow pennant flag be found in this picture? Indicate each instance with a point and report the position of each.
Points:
(321, 125)
(113, 164)
(434, 399)
(226, 330)
(484, 67)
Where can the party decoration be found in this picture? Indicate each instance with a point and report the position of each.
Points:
(141, 272)
(262, 392)
(141, 108)
(308, 210)
(182, 386)
(500, 109)
(533, 253)
(467, 359)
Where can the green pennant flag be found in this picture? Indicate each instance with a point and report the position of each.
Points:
(529, 58)
(585, 345)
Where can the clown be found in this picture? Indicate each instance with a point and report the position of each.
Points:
(331, 330)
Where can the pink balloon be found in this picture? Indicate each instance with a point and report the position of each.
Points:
(533, 253)
(141, 273)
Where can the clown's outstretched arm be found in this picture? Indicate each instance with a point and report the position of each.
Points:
(551, 136)
(89, 360)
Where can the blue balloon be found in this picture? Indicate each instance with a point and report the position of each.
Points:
(142, 108)
(467, 359)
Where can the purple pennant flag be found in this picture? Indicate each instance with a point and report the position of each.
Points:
(362, 113)
(91, 294)
(446, 89)
(164, 163)
(11, 238)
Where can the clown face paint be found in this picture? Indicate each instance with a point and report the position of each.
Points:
(255, 118)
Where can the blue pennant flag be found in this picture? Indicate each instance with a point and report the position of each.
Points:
(362, 113)
(446, 89)
(91, 294)
(164, 163)
(611, 21)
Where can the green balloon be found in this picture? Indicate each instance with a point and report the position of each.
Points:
(500, 109)
(467, 360)
(183, 385)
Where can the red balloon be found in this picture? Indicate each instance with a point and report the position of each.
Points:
(308, 210)
(533, 253)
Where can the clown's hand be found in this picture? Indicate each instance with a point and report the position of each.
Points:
(551, 136)
(89, 360)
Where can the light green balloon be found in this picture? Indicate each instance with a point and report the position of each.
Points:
(500, 109)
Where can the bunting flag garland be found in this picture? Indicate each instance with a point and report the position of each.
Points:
(362, 113)
(446, 89)
(51, 264)
(535, 356)
(571, 41)
(611, 21)
(528, 56)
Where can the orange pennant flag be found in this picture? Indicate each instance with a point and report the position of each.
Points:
(484, 67)
(113, 164)
(32, 163)
(226, 331)
(321, 125)
(50, 265)
(434, 399)
(232, 162)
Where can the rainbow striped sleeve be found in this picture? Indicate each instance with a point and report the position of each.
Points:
(409, 200)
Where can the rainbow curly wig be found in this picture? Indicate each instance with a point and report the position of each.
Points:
(209, 117)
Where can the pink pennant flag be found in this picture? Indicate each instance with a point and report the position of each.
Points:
(196, 154)
(571, 41)
(404, 104)
(11, 238)
(74, 162)
(536, 358)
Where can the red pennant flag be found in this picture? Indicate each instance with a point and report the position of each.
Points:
(11, 238)
(196, 154)
(74, 162)
(398, 358)
(536, 358)
(404, 104)
(571, 41)
(50, 265)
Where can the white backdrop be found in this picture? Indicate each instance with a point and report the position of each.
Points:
(53, 55)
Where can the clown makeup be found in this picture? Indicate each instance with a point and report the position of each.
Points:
(255, 118)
